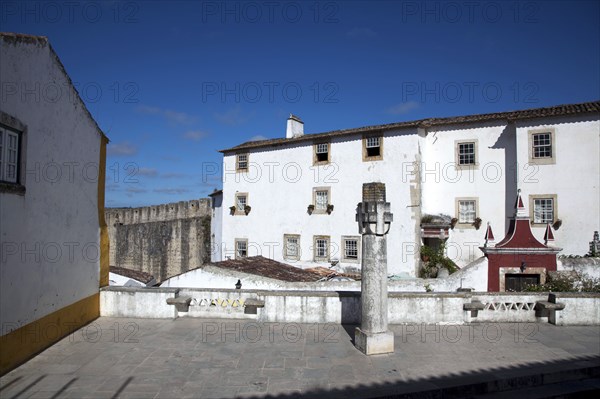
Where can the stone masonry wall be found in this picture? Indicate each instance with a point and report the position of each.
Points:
(163, 240)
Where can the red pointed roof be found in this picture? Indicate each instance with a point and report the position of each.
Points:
(519, 231)
(489, 235)
(548, 235)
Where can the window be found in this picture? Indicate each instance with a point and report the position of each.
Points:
(9, 156)
(241, 162)
(542, 150)
(350, 248)
(321, 198)
(466, 211)
(321, 153)
(291, 249)
(241, 248)
(372, 148)
(543, 208)
(542, 145)
(321, 248)
(241, 200)
(466, 153)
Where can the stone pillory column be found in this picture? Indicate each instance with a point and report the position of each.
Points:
(374, 219)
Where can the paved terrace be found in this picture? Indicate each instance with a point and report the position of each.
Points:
(200, 358)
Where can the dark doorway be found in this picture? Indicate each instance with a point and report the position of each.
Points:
(518, 282)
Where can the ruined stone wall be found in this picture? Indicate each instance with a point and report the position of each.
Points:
(163, 240)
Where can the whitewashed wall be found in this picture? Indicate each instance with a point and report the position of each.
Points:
(280, 187)
(282, 178)
(54, 226)
(574, 178)
(443, 183)
(344, 307)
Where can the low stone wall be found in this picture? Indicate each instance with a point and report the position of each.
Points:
(586, 266)
(147, 303)
(343, 307)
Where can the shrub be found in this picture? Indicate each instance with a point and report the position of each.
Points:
(436, 260)
(571, 282)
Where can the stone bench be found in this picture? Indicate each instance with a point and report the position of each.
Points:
(546, 305)
(251, 305)
(182, 303)
(548, 308)
(474, 307)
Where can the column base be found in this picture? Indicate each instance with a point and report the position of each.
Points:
(374, 343)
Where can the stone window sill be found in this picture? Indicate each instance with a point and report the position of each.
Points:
(12, 188)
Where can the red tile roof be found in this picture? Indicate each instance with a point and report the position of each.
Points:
(261, 266)
(558, 110)
(134, 274)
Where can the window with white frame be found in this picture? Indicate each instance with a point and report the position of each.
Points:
(9, 156)
(241, 200)
(543, 210)
(321, 153)
(467, 210)
(350, 248)
(542, 145)
(321, 248)
(372, 148)
(241, 248)
(291, 249)
(241, 162)
(466, 153)
(321, 198)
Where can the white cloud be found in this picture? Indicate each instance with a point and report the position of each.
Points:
(121, 149)
(148, 172)
(194, 135)
(258, 138)
(172, 175)
(232, 117)
(136, 190)
(172, 116)
(403, 108)
(171, 190)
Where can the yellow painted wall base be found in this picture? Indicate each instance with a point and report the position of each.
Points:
(23, 343)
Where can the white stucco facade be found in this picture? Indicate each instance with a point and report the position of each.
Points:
(419, 165)
(49, 217)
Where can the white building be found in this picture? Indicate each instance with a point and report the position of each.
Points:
(294, 199)
(53, 240)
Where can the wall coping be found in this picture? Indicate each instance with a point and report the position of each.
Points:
(145, 290)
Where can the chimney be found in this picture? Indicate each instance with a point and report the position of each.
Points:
(295, 127)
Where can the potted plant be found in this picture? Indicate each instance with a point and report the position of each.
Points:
(232, 210)
(453, 222)
(426, 219)
(477, 223)
(557, 224)
(310, 209)
(247, 209)
(329, 209)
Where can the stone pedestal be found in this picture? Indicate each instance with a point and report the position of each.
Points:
(374, 219)
(371, 343)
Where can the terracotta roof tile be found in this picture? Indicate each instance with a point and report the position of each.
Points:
(261, 266)
(558, 110)
(134, 274)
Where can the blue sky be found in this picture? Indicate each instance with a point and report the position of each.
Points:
(172, 82)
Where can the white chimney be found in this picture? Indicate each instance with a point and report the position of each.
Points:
(295, 127)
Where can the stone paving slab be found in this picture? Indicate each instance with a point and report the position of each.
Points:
(205, 358)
